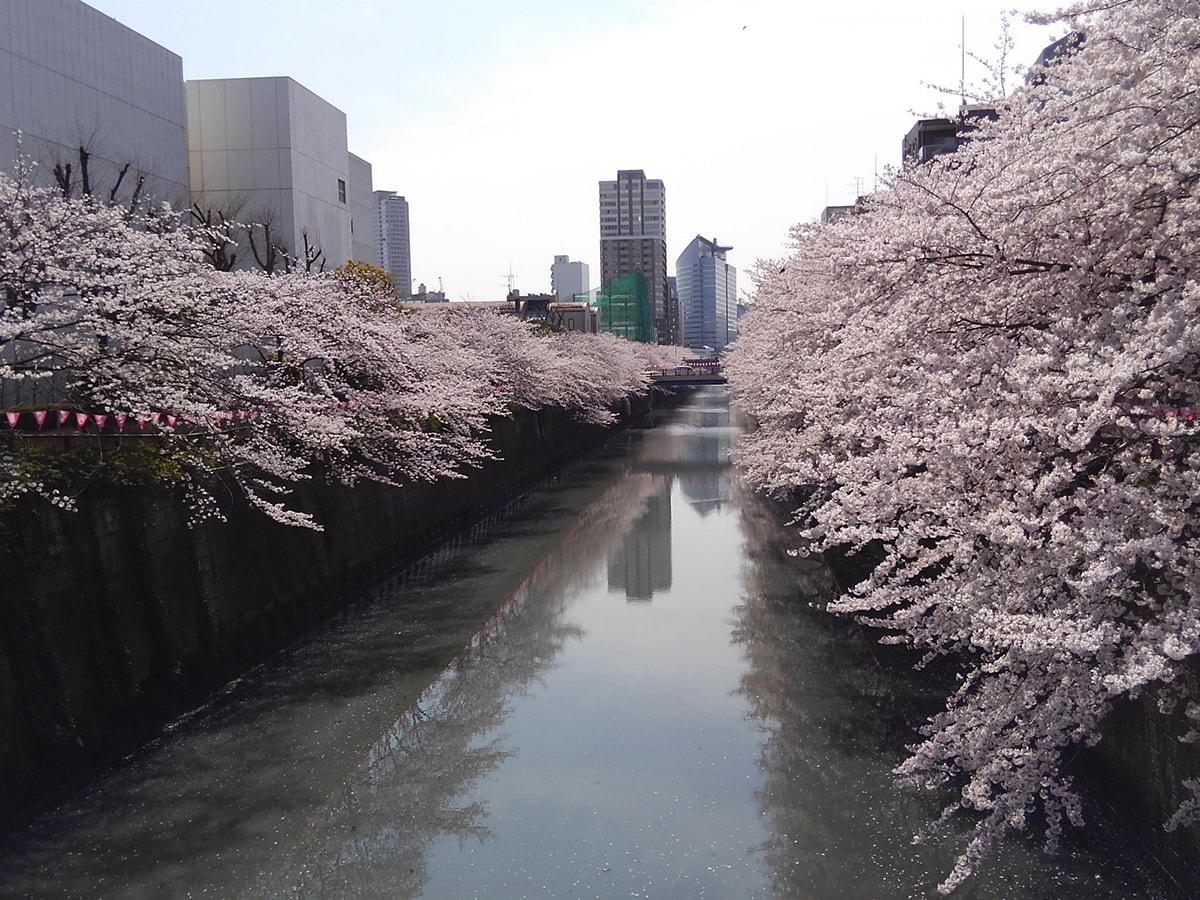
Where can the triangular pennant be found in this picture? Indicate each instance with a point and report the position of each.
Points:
(12, 418)
(81, 419)
(171, 420)
(121, 419)
(100, 419)
(63, 415)
(39, 416)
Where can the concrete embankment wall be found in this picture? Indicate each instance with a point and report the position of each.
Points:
(116, 616)
(1142, 763)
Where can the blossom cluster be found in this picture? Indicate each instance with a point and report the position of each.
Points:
(983, 385)
(261, 381)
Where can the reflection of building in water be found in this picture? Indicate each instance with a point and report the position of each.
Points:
(706, 491)
(704, 473)
(642, 564)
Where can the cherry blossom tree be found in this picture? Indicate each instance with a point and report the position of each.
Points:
(268, 380)
(985, 389)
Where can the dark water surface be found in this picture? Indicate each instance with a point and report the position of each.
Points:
(621, 689)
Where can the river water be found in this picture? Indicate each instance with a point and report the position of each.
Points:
(622, 687)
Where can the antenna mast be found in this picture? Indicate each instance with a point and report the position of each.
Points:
(962, 78)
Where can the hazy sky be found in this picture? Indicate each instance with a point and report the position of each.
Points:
(497, 119)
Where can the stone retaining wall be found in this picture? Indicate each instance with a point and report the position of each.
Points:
(1142, 764)
(118, 616)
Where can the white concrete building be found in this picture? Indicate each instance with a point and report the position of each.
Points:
(568, 278)
(364, 226)
(90, 96)
(275, 153)
(395, 253)
(72, 77)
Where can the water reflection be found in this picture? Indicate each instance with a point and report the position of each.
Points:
(370, 838)
(836, 711)
(641, 564)
(459, 763)
(494, 724)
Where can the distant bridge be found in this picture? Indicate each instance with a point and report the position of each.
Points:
(691, 372)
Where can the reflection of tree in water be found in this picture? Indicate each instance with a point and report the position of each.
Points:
(409, 791)
(836, 711)
(620, 510)
(828, 719)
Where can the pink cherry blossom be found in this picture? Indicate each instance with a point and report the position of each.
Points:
(962, 382)
(261, 382)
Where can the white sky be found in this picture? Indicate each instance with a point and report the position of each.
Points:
(497, 119)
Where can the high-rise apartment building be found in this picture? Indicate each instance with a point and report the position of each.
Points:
(395, 254)
(633, 238)
(568, 278)
(707, 287)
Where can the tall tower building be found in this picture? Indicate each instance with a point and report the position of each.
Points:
(707, 287)
(395, 254)
(633, 237)
(568, 278)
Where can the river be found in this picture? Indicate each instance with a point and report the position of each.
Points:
(621, 687)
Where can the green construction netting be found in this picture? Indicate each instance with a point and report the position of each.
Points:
(624, 305)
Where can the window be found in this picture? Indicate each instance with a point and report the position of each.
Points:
(341, 191)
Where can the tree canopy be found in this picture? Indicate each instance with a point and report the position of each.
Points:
(262, 381)
(987, 382)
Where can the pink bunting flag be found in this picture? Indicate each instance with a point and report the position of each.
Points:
(154, 417)
(39, 416)
(121, 419)
(100, 419)
(12, 418)
(81, 419)
(63, 415)
(171, 420)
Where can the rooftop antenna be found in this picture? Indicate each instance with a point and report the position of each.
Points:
(510, 278)
(962, 78)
